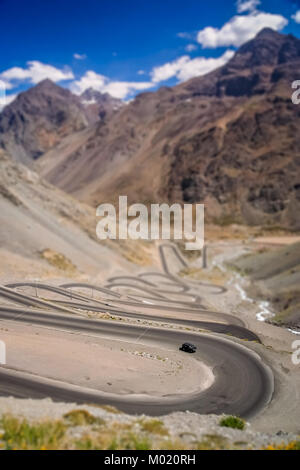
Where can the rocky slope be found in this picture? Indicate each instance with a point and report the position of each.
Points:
(38, 119)
(99, 106)
(44, 115)
(228, 139)
(45, 232)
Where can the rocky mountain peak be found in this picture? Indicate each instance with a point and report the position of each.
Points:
(38, 119)
(268, 48)
(99, 105)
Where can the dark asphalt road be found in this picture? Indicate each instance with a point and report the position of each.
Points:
(243, 384)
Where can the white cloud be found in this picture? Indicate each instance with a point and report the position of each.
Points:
(123, 89)
(296, 16)
(239, 29)
(169, 70)
(4, 85)
(90, 79)
(185, 68)
(184, 35)
(190, 47)
(117, 89)
(6, 99)
(244, 6)
(79, 56)
(202, 65)
(34, 73)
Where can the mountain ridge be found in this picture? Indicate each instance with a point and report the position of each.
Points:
(227, 139)
(39, 118)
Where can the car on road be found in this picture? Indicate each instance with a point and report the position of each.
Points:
(188, 347)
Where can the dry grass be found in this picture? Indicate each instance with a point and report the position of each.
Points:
(215, 275)
(22, 435)
(82, 418)
(294, 445)
(109, 409)
(113, 441)
(93, 433)
(134, 251)
(59, 261)
(213, 442)
(153, 426)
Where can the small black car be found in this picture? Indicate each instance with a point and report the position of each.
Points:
(188, 347)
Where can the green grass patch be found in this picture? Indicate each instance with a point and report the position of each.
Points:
(233, 422)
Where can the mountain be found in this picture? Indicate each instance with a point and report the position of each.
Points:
(99, 106)
(229, 139)
(254, 69)
(38, 119)
(42, 116)
(47, 233)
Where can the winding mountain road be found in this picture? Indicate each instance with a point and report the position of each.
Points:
(243, 384)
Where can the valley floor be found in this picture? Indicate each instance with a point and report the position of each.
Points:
(125, 368)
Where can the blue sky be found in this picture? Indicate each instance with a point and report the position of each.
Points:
(128, 46)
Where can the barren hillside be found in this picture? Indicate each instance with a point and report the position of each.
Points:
(228, 139)
(45, 232)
